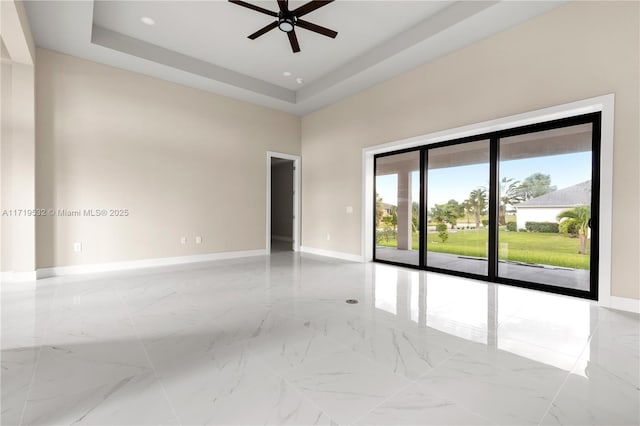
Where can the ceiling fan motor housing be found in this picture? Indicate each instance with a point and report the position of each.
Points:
(286, 22)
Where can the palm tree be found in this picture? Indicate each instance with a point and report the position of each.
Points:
(510, 193)
(467, 206)
(478, 203)
(454, 211)
(438, 213)
(581, 216)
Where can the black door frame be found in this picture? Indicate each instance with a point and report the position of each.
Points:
(494, 156)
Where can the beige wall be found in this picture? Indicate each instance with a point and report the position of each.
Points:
(183, 162)
(578, 51)
(17, 140)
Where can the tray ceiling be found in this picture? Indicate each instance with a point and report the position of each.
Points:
(204, 44)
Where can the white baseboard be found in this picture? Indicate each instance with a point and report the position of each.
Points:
(281, 238)
(330, 253)
(623, 304)
(145, 263)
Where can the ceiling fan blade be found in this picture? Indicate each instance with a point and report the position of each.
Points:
(310, 7)
(316, 28)
(283, 5)
(254, 7)
(293, 39)
(264, 30)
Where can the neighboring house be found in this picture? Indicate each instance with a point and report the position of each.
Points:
(388, 208)
(547, 207)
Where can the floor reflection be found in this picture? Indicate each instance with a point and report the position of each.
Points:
(541, 327)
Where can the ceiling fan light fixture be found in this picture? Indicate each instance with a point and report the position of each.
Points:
(286, 24)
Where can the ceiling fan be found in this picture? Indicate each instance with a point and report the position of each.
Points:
(288, 20)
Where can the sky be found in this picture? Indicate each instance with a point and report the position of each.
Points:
(457, 182)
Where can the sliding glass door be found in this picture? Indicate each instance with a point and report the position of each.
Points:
(516, 206)
(457, 234)
(544, 220)
(397, 200)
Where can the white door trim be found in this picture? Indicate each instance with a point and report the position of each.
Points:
(605, 104)
(296, 198)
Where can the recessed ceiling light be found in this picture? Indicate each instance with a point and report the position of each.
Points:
(286, 74)
(147, 21)
(299, 80)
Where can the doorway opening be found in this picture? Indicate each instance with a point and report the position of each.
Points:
(283, 181)
(281, 204)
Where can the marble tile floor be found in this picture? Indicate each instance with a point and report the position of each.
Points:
(270, 340)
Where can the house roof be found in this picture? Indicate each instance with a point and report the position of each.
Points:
(576, 195)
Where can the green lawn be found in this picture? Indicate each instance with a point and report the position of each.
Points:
(527, 247)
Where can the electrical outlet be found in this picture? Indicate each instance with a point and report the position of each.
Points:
(328, 237)
(198, 240)
(183, 240)
(77, 247)
(349, 209)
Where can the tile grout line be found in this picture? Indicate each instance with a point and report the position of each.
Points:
(411, 383)
(146, 354)
(300, 393)
(566, 379)
(393, 395)
(402, 389)
(271, 369)
(37, 361)
(342, 347)
(280, 373)
(459, 404)
(446, 397)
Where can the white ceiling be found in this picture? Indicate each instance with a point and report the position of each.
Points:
(217, 33)
(204, 44)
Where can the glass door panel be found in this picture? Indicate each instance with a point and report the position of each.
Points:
(457, 234)
(544, 211)
(397, 185)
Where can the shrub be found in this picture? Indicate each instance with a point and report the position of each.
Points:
(444, 235)
(485, 222)
(548, 227)
(441, 227)
(522, 230)
(569, 226)
(512, 226)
